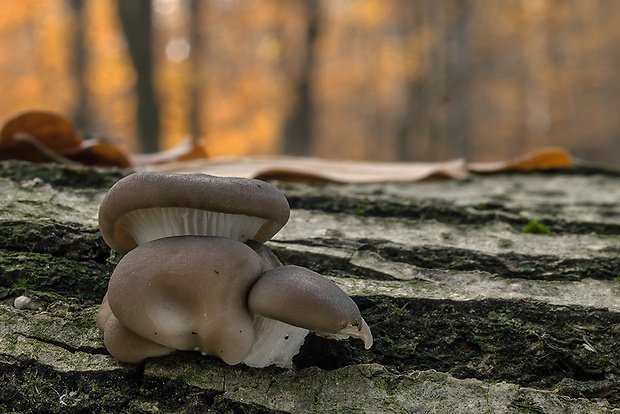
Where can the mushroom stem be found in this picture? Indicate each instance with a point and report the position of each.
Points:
(275, 343)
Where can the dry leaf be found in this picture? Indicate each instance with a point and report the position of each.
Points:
(552, 158)
(40, 136)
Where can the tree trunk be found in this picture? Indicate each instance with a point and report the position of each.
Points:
(81, 114)
(298, 128)
(136, 20)
(436, 117)
(458, 76)
(197, 42)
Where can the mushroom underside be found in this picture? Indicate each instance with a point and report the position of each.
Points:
(147, 224)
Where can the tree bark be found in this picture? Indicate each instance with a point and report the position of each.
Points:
(469, 312)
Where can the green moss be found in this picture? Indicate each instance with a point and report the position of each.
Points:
(535, 228)
(85, 280)
(22, 284)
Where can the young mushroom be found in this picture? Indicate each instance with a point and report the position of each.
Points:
(150, 205)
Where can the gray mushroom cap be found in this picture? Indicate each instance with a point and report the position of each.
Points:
(160, 196)
(301, 297)
(186, 293)
(127, 346)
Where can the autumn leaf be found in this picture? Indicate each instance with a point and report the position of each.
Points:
(40, 136)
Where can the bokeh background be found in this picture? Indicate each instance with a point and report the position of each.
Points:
(384, 80)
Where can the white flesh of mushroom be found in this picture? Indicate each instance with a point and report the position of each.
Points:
(363, 334)
(276, 343)
(158, 222)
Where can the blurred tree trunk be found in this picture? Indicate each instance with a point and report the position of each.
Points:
(458, 77)
(197, 42)
(298, 128)
(420, 128)
(136, 20)
(436, 118)
(81, 113)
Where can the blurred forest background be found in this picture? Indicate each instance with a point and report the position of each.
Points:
(384, 80)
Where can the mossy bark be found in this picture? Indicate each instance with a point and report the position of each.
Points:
(469, 313)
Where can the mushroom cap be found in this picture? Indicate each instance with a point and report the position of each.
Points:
(188, 293)
(300, 297)
(104, 313)
(270, 260)
(125, 345)
(186, 196)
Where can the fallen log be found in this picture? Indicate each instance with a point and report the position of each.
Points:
(470, 313)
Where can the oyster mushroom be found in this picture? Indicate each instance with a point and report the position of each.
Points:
(301, 297)
(194, 295)
(151, 205)
(194, 258)
(127, 346)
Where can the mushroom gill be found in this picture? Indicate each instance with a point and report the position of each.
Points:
(150, 205)
(153, 223)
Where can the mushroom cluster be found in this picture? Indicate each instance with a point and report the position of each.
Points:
(196, 275)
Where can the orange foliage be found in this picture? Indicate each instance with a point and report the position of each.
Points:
(393, 79)
(40, 136)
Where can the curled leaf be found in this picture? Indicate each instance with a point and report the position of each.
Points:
(41, 136)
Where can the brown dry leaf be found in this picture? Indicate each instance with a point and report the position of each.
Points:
(41, 136)
(553, 158)
(27, 148)
(191, 149)
(100, 154)
(30, 135)
(315, 169)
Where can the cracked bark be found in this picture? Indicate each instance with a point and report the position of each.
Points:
(469, 313)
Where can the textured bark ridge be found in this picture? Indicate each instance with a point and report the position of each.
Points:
(470, 313)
